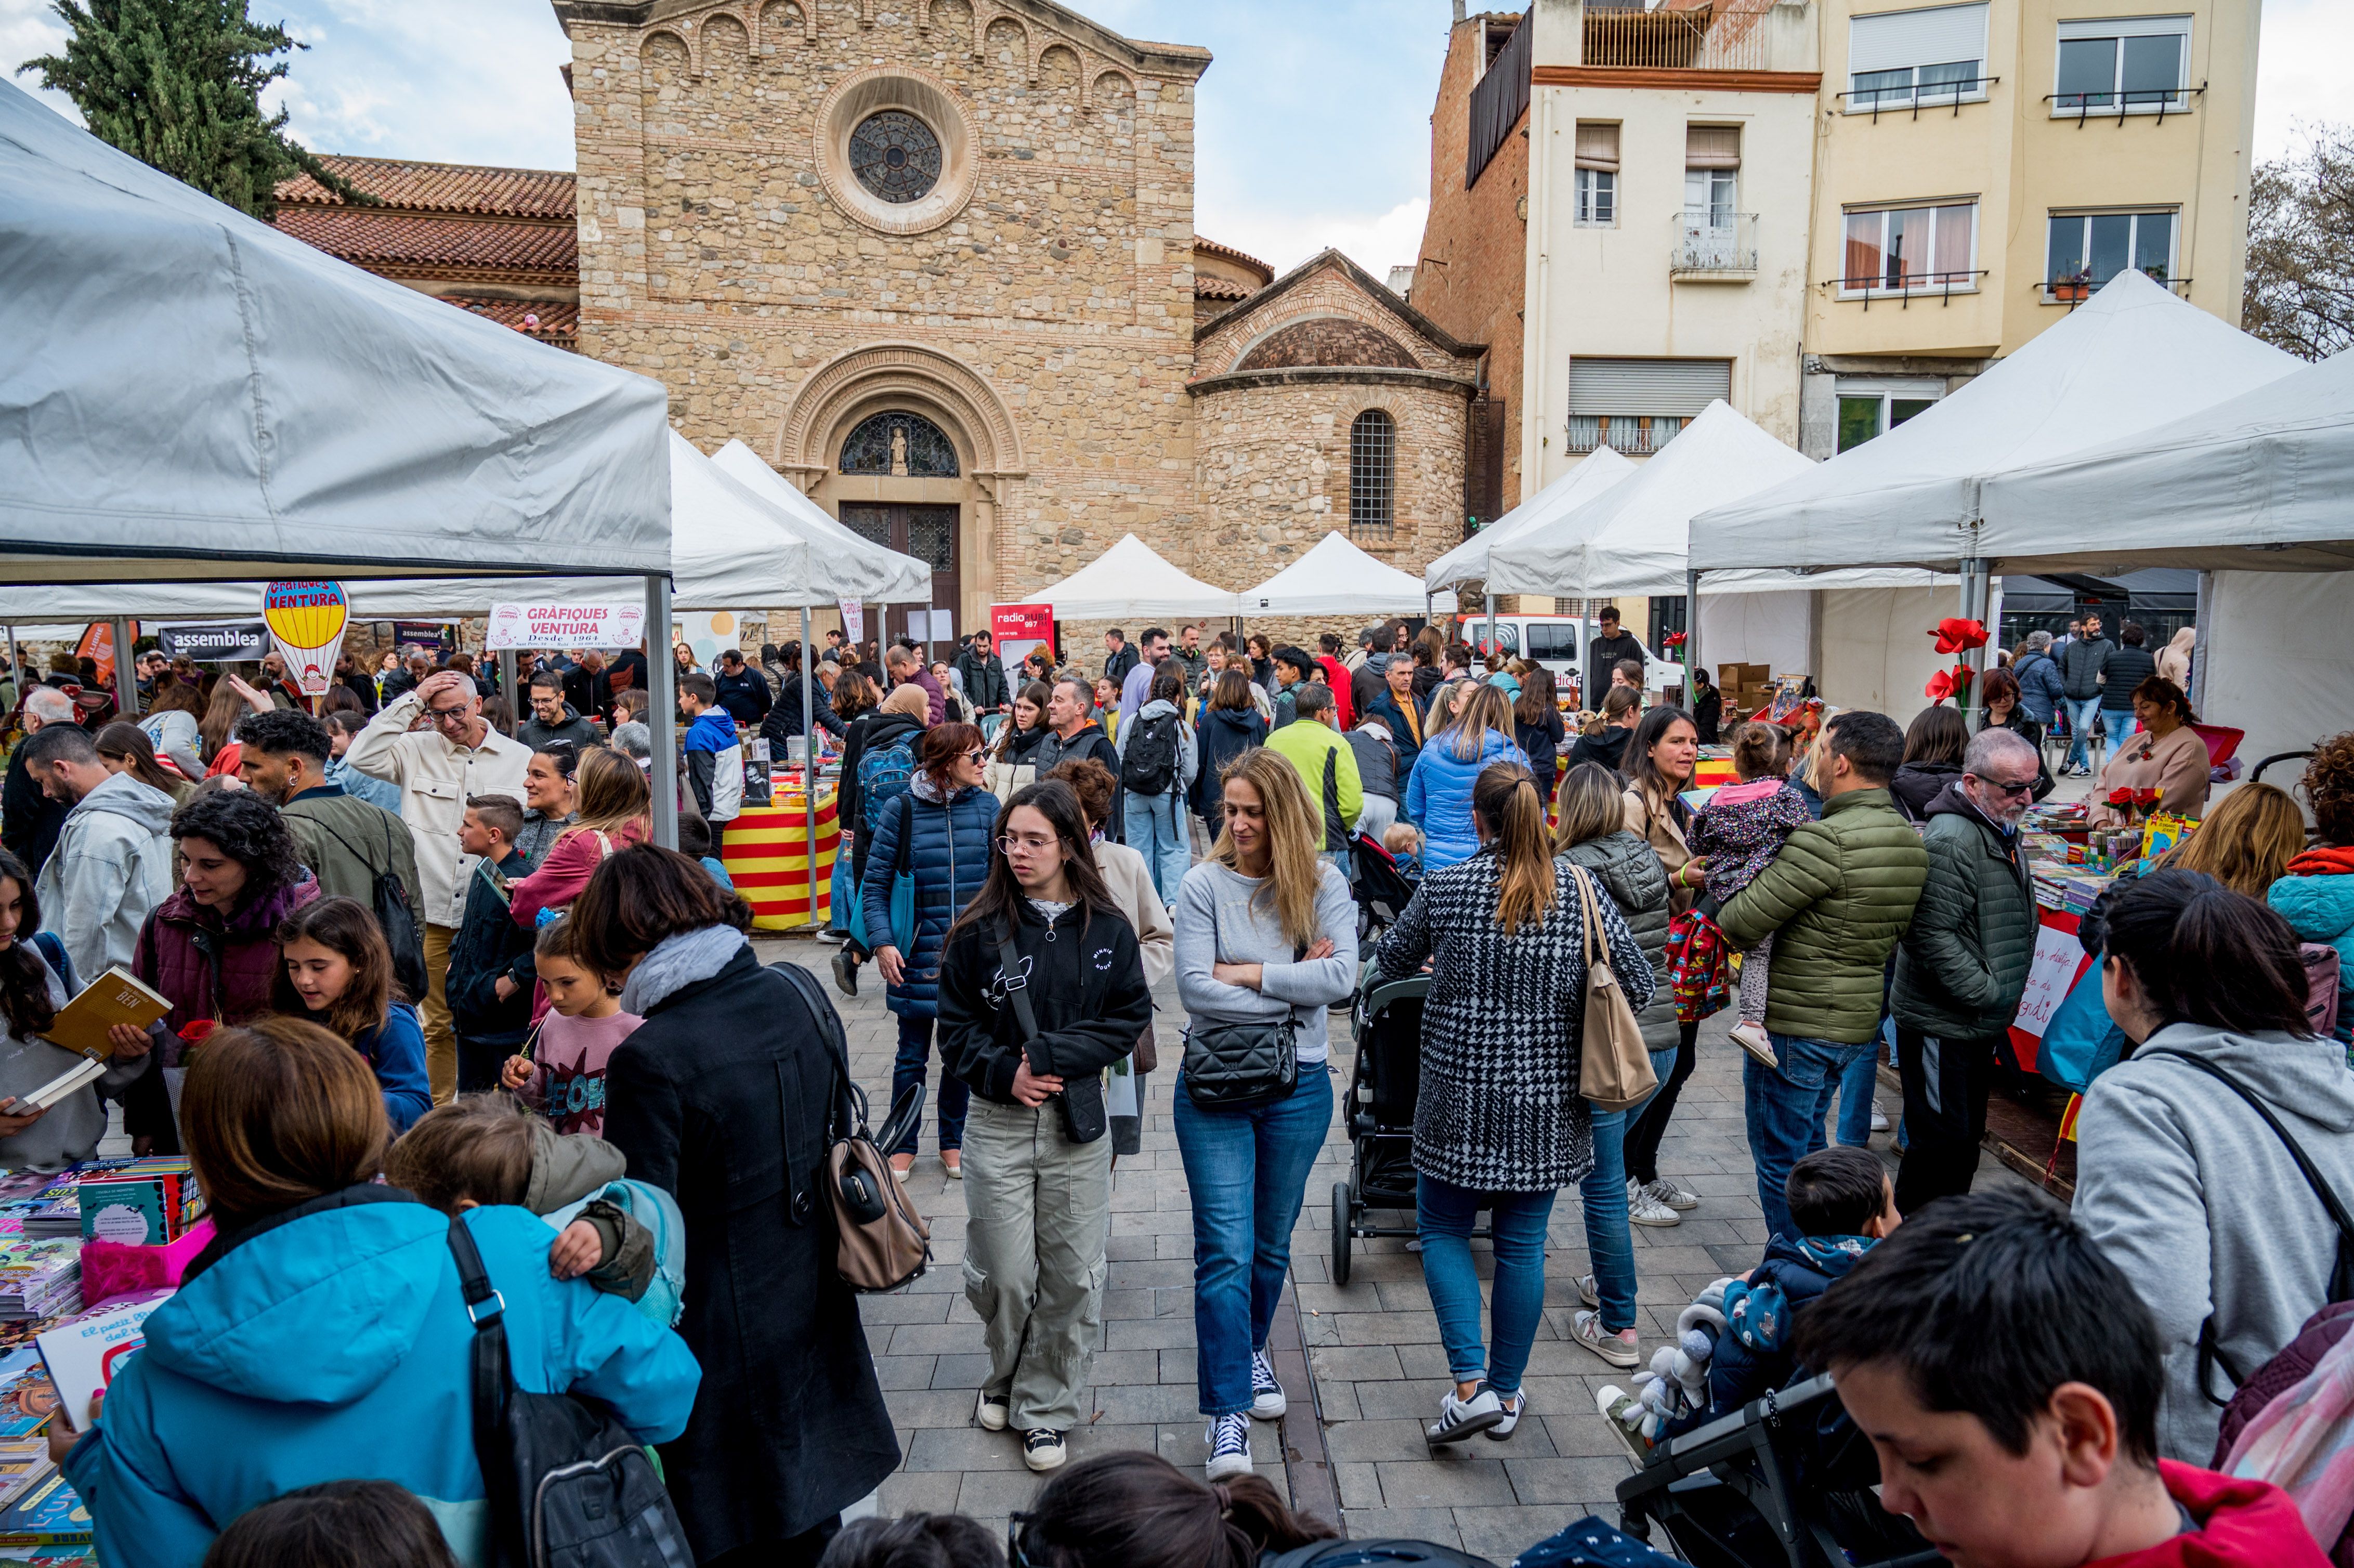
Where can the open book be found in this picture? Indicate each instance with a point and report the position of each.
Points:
(85, 1070)
(115, 997)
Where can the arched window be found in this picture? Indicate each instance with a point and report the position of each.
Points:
(1372, 462)
(899, 443)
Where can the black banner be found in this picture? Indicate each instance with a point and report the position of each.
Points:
(213, 641)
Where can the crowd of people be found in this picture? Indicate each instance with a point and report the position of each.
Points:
(425, 966)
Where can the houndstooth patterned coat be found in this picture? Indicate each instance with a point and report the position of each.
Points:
(1500, 1110)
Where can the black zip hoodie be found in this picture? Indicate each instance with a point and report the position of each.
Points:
(1085, 978)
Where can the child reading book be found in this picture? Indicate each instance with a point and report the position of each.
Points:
(583, 1026)
(491, 968)
(1741, 829)
(335, 970)
(484, 1150)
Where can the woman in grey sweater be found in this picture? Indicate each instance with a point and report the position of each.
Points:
(1266, 933)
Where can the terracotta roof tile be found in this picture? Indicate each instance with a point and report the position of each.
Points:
(442, 187)
(1231, 254)
(551, 321)
(373, 238)
(1206, 287)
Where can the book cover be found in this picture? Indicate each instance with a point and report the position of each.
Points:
(85, 1070)
(51, 1514)
(115, 997)
(27, 1398)
(84, 1353)
(136, 1213)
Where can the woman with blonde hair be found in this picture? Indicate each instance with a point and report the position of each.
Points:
(1505, 934)
(1438, 792)
(1267, 941)
(615, 810)
(2246, 842)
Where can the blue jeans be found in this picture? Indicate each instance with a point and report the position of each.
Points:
(1862, 1076)
(1609, 1244)
(2120, 723)
(2080, 729)
(1246, 1172)
(1444, 1214)
(1155, 826)
(1784, 1107)
(914, 1056)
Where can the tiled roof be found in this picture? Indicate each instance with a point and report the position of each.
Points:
(550, 321)
(1206, 287)
(1231, 254)
(375, 239)
(457, 188)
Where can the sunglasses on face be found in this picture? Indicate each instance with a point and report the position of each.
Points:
(2010, 791)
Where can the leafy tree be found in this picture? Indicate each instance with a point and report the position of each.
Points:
(2300, 288)
(177, 84)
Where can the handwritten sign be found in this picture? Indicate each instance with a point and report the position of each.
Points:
(546, 625)
(2059, 960)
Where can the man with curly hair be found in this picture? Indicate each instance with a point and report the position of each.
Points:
(2317, 897)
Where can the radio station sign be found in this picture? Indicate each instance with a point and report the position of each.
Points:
(550, 625)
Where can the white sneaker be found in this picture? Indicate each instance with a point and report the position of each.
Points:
(1266, 1394)
(1519, 1407)
(1622, 1349)
(1752, 1038)
(1461, 1418)
(1643, 1209)
(1042, 1449)
(992, 1410)
(1673, 1196)
(1879, 1119)
(1587, 1291)
(1624, 1414)
(1229, 1440)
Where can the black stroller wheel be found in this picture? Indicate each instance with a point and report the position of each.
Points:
(1341, 1206)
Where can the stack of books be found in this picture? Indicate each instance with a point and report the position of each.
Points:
(48, 1520)
(27, 1398)
(144, 1203)
(24, 1464)
(40, 1278)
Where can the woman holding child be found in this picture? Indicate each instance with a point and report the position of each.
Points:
(1505, 932)
(1660, 755)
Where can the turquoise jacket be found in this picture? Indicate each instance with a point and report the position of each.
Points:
(334, 1344)
(2321, 909)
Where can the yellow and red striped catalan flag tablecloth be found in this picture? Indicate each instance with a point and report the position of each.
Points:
(766, 851)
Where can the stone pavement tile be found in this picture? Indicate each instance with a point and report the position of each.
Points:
(933, 1407)
(919, 1492)
(1394, 1439)
(1500, 1534)
(1561, 1480)
(904, 1371)
(1148, 1333)
(1355, 1363)
(899, 1307)
(962, 1448)
(1179, 1365)
(1111, 1368)
(1459, 1478)
(1404, 1523)
(965, 1371)
(1360, 1484)
(1147, 1403)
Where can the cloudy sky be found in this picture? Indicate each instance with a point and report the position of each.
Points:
(1313, 124)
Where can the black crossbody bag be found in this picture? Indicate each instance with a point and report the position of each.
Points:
(1083, 1118)
(1241, 1066)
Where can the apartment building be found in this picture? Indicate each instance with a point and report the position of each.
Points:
(1983, 167)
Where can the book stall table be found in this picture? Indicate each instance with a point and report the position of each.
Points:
(766, 851)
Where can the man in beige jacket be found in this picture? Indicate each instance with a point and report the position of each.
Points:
(453, 754)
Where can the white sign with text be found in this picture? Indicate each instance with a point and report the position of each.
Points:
(544, 625)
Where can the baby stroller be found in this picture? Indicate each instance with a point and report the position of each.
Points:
(1381, 890)
(1784, 1483)
(1383, 1085)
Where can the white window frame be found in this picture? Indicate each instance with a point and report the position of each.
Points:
(1596, 198)
(2132, 244)
(1969, 284)
(2118, 29)
(1913, 93)
(1712, 213)
(1887, 390)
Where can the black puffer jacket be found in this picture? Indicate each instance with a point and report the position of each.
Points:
(1918, 783)
(2128, 668)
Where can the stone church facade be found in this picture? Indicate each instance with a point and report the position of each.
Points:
(935, 259)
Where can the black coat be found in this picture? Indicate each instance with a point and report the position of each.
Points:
(29, 820)
(1223, 733)
(1918, 783)
(1086, 991)
(1608, 749)
(720, 1098)
(744, 695)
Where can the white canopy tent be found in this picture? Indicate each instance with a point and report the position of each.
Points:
(2132, 358)
(1336, 577)
(1468, 562)
(844, 565)
(1132, 579)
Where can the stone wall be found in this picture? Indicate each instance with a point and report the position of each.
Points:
(1330, 292)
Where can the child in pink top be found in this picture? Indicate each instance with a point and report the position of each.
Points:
(1741, 829)
(564, 1078)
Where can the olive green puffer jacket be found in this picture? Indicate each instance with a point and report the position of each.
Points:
(1963, 966)
(1835, 900)
(1628, 872)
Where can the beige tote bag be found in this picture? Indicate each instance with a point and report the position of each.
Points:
(1614, 1067)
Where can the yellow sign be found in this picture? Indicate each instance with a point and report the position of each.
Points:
(307, 617)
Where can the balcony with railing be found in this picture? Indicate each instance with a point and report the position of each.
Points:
(1634, 435)
(1713, 247)
(1726, 34)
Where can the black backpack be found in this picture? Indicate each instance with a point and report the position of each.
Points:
(1149, 765)
(388, 897)
(567, 1486)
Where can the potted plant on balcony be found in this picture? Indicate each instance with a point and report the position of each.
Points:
(2072, 288)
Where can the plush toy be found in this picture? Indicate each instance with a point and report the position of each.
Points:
(1677, 1384)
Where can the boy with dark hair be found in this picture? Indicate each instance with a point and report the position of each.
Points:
(1732, 1343)
(2009, 1377)
(491, 968)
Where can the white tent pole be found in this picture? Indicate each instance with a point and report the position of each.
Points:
(2200, 608)
(1974, 607)
(809, 769)
(662, 709)
(1692, 639)
(1492, 624)
(126, 683)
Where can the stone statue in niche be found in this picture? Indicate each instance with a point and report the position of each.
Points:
(899, 454)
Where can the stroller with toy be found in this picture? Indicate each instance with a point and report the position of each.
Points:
(1381, 890)
(1384, 1085)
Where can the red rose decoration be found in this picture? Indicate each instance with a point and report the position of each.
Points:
(1673, 639)
(2121, 796)
(2146, 797)
(1954, 635)
(1940, 686)
(197, 1031)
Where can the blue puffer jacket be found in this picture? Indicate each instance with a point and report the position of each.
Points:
(2039, 686)
(334, 1344)
(948, 853)
(2321, 909)
(1438, 795)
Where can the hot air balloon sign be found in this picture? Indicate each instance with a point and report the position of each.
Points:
(306, 617)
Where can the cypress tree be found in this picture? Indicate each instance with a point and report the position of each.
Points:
(177, 84)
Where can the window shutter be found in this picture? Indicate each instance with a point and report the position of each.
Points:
(1893, 41)
(1712, 147)
(1597, 146)
(2126, 27)
(1680, 387)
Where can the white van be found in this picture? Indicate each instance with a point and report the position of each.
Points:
(1559, 643)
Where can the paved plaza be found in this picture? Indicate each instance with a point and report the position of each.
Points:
(1355, 1440)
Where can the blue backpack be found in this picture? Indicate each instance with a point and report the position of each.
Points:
(882, 778)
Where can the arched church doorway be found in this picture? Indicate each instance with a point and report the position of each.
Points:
(897, 444)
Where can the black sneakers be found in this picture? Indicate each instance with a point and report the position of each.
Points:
(1042, 1449)
(845, 973)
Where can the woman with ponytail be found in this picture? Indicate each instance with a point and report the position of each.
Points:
(1133, 1508)
(1504, 933)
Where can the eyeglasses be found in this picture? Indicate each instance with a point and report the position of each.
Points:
(2010, 791)
(1015, 1523)
(447, 715)
(1011, 846)
(979, 754)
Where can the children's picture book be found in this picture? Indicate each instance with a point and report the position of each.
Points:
(131, 1212)
(27, 1398)
(118, 996)
(84, 1353)
(46, 1517)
